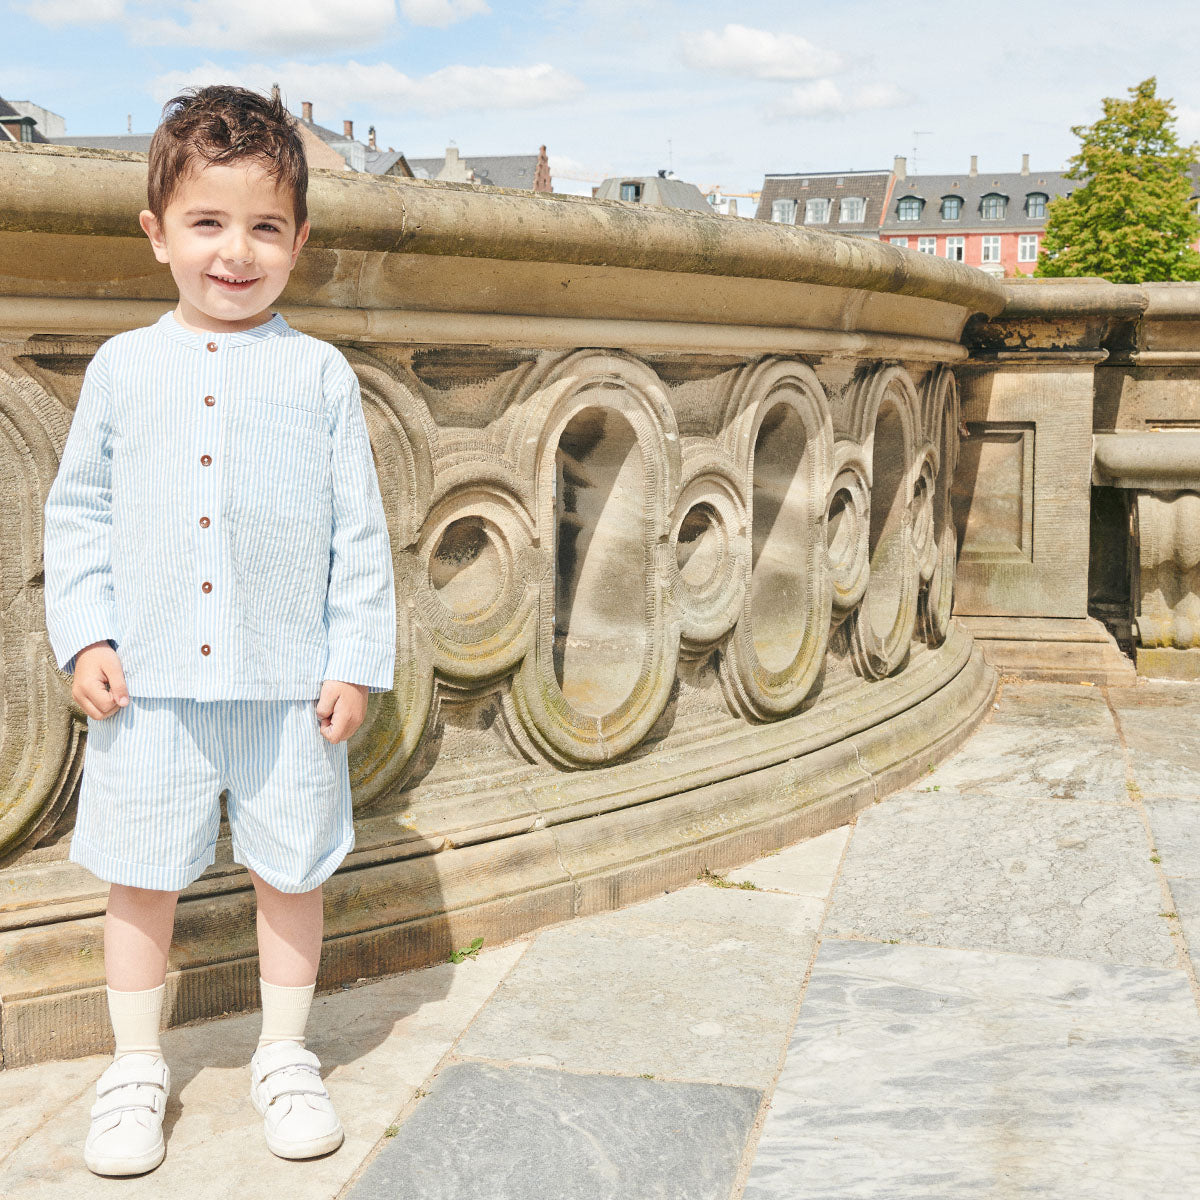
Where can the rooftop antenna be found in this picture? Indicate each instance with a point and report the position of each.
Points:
(670, 157)
(918, 133)
(129, 123)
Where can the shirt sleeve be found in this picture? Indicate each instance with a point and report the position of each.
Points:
(80, 608)
(360, 605)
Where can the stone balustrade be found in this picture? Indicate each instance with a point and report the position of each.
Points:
(670, 499)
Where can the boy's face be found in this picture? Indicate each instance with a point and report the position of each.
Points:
(229, 234)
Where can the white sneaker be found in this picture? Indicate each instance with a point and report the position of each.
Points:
(125, 1137)
(286, 1088)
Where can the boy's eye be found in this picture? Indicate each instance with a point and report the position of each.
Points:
(207, 221)
(267, 226)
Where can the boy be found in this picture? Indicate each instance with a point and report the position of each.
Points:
(216, 560)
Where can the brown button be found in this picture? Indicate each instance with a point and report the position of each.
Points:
(206, 586)
(206, 649)
(212, 345)
(210, 400)
(206, 460)
(204, 522)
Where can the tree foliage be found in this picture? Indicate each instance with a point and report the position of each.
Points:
(1132, 221)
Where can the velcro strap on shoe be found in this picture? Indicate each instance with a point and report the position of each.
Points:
(135, 1077)
(117, 1100)
(290, 1082)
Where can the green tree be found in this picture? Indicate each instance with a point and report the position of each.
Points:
(1132, 221)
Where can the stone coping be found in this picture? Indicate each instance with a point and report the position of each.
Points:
(61, 190)
(1162, 461)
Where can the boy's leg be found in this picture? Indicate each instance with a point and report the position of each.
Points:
(137, 936)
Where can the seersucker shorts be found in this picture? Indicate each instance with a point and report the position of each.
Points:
(153, 773)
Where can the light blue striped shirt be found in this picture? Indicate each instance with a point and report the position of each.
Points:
(217, 516)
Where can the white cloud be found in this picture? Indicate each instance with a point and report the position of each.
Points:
(76, 12)
(825, 98)
(1187, 123)
(382, 89)
(757, 53)
(441, 13)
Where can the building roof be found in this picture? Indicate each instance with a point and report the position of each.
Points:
(659, 191)
(9, 115)
(118, 141)
(381, 162)
(871, 186)
(972, 188)
(497, 170)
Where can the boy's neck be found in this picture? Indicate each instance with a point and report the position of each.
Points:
(197, 322)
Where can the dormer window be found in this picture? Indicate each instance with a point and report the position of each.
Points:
(909, 208)
(852, 210)
(993, 207)
(816, 212)
(631, 191)
(951, 208)
(783, 211)
(1035, 204)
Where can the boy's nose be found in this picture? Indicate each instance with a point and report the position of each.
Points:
(237, 248)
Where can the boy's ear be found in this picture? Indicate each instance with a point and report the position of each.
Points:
(153, 230)
(301, 237)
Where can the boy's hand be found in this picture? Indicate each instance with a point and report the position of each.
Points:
(99, 686)
(341, 708)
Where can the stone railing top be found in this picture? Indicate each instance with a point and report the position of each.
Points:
(52, 189)
(1080, 298)
(1162, 461)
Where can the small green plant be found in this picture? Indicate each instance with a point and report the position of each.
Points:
(471, 951)
(1135, 792)
(1155, 859)
(1170, 916)
(715, 880)
(391, 1131)
(646, 1076)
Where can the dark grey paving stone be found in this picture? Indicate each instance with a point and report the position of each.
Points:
(930, 1074)
(520, 1133)
(1061, 878)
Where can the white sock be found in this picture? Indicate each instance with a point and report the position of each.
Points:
(285, 1012)
(135, 1019)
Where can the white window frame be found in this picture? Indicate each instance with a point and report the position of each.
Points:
(998, 202)
(783, 210)
(631, 185)
(956, 249)
(816, 211)
(899, 241)
(911, 205)
(926, 245)
(989, 248)
(856, 205)
(1027, 247)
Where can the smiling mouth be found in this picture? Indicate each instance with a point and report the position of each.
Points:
(233, 283)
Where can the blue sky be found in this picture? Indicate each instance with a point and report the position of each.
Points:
(723, 93)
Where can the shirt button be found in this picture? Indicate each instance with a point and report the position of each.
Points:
(212, 345)
(210, 400)
(206, 586)
(206, 649)
(204, 522)
(206, 460)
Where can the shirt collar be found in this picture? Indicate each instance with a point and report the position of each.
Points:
(172, 329)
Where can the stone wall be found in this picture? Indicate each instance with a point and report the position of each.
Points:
(671, 516)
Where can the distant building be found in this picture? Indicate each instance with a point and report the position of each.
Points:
(523, 172)
(18, 125)
(660, 191)
(837, 201)
(993, 221)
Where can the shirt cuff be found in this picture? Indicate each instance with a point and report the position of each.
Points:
(365, 663)
(73, 631)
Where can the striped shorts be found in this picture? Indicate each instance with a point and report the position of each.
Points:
(153, 773)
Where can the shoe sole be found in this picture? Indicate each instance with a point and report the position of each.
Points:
(312, 1148)
(126, 1166)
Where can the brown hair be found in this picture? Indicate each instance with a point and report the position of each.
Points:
(225, 124)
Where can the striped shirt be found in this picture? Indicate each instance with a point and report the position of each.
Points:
(217, 516)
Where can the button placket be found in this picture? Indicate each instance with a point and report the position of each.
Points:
(209, 391)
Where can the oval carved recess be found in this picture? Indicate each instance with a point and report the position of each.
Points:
(941, 416)
(781, 438)
(886, 416)
(41, 732)
(403, 438)
(594, 440)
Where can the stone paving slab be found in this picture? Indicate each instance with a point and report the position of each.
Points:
(1161, 724)
(700, 984)
(519, 1133)
(1032, 757)
(807, 869)
(1019, 876)
(932, 1074)
(378, 1043)
(1072, 706)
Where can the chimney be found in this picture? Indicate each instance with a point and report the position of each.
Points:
(900, 167)
(1024, 164)
(306, 111)
(348, 130)
(371, 137)
(974, 166)
(451, 154)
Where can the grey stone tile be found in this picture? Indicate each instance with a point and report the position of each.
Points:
(806, 869)
(1164, 745)
(700, 984)
(518, 1133)
(928, 1074)
(1036, 757)
(989, 873)
(1176, 828)
(1073, 706)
